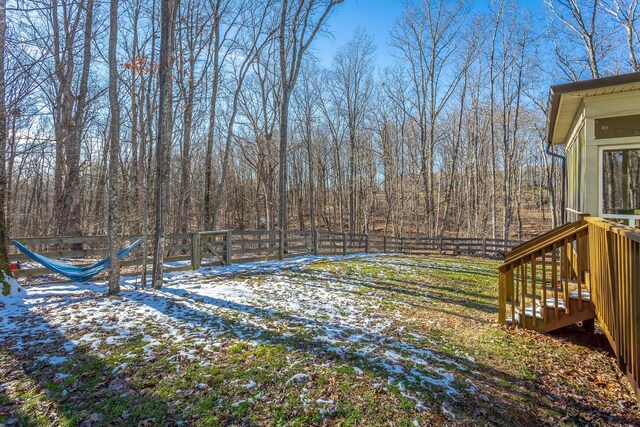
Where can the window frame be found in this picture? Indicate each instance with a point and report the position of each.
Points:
(633, 219)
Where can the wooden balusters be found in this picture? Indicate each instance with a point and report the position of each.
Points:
(545, 316)
(554, 279)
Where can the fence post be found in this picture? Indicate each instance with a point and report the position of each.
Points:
(315, 238)
(484, 246)
(441, 243)
(281, 245)
(366, 243)
(196, 255)
(228, 248)
(344, 243)
(384, 244)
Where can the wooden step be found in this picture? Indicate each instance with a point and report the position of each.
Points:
(563, 319)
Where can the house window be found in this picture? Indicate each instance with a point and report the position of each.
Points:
(618, 127)
(621, 181)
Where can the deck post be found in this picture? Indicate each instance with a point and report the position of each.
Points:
(228, 245)
(281, 245)
(344, 243)
(196, 255)
(316, 241)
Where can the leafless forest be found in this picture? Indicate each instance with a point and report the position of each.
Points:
(216, 114)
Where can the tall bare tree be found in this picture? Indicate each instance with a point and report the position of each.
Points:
(71, 98)
(300, 21)
(354, 82)
(428, 38)
(4, 259)
(114, 152)
(627, 14)
(168, 10)
(580, 18)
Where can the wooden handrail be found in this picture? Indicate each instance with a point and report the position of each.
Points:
(538, 279)
(543, 237)
(586, 269)
(550, 238)
(614, 227)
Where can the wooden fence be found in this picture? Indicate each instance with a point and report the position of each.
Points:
(214, 248)
(614, 260)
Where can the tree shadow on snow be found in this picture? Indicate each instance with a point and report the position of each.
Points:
(426, 368)
(69, 385)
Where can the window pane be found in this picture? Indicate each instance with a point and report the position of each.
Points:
(621, 175)
(618, 127)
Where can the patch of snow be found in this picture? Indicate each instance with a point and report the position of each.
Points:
(240, 402)
(299, 378)
(250, 385)
(16, 292)
(57, 360)
(203, 308)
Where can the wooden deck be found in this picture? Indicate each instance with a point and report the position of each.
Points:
(578, 272)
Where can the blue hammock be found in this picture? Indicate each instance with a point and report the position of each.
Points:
(72, 272)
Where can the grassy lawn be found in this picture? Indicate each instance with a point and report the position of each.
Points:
(369, 340)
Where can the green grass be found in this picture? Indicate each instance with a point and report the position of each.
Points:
(446, 307)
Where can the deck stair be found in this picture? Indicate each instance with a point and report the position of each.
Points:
(544, 283)
(575, 273)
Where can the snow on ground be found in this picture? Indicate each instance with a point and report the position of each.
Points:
(12, 292)
(277, 302)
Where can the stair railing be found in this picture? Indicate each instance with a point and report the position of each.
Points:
(536, 277)
(615, 284)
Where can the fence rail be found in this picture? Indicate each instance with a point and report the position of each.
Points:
(224, 247)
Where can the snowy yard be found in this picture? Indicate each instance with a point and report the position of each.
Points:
(311, 340)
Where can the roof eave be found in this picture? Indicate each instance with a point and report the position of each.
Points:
(556, 92)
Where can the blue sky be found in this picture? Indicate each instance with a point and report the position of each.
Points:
(377, 18)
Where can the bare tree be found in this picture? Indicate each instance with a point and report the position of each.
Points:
(114, 152)
(4, 259)
(427, 36)
(70, 106)
(165, 125)
(580, 18)
(255, 39)
(300, 21)
(627, 14)
(354, 83)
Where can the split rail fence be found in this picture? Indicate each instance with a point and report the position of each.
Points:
(189, 251)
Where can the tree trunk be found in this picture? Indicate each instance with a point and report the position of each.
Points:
(165, 125)
(114, 153)
(4, 258)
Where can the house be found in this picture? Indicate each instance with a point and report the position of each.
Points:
(598, 122)
(589, 267)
